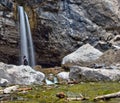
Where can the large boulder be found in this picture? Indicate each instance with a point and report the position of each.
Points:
(86, 53)
(110, 57)
(20, 74)
(85, 74)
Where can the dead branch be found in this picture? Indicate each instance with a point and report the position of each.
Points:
(77, 99)
(108, 96)
(24, 89)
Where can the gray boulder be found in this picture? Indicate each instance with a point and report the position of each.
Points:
(89, 74)
(86, 53)
(63, 75)
(20, 74)
(3, 82)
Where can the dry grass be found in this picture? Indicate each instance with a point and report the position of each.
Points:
(47, 71)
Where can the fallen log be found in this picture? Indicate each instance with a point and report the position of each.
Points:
(108, 96)
(24, 89)
(77, 99)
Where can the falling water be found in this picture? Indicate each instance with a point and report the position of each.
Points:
(23, 37)
(26, 38)
(30, 42)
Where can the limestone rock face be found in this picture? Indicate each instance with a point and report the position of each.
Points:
(20, 74)
(64, 26)
(61, 27)
(86, 53)
(9, 37)
(90, 74)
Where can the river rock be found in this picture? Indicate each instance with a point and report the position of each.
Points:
(20, 74)
(3, 82)
(86, 53)
(11, 89)
(63, 75)
(85, 74)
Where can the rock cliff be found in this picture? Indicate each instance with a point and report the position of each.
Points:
(9, 38)
(62, 26)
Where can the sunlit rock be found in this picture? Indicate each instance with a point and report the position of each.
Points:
(86, 53)
(63, 75)
(21, 74)
(3, 82)
(90, 74)
(11, 89)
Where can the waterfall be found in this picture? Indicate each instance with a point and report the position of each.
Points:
(23, 36)
(26, 38)
(30, 42)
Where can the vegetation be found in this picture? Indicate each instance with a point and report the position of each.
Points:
(47, 94)
(21, 2)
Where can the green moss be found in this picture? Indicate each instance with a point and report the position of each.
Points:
(44, 94)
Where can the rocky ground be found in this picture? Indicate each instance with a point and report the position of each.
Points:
(80, 36)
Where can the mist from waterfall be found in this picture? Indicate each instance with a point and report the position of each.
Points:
(27, 48)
